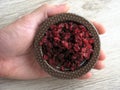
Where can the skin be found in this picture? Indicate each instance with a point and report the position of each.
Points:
(17, 60)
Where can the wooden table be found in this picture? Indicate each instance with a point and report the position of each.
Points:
(105, 11)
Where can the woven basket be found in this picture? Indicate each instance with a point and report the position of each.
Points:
(62, 18)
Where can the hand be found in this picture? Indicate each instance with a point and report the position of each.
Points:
(17, 60)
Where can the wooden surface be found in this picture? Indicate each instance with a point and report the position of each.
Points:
(105, 11)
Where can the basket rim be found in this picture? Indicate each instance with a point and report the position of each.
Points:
(60, 18)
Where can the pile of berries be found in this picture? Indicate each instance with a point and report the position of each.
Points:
(66, 46)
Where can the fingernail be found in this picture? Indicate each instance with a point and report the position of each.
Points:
(64, 5)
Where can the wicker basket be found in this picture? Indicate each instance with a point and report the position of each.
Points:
(61, 18)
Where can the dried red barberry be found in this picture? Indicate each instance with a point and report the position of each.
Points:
(67, 46)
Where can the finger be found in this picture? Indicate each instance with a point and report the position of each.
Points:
(99, 65)
(43, 12)
(102, 55)
(86, 76)
(99, 27)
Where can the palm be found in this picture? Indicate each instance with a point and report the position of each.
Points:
(20, 59)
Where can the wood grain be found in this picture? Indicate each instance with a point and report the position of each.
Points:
(105, 11)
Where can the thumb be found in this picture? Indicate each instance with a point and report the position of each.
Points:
(43, 12)
(24, 29)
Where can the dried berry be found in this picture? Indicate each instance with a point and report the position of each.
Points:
(67, 46)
